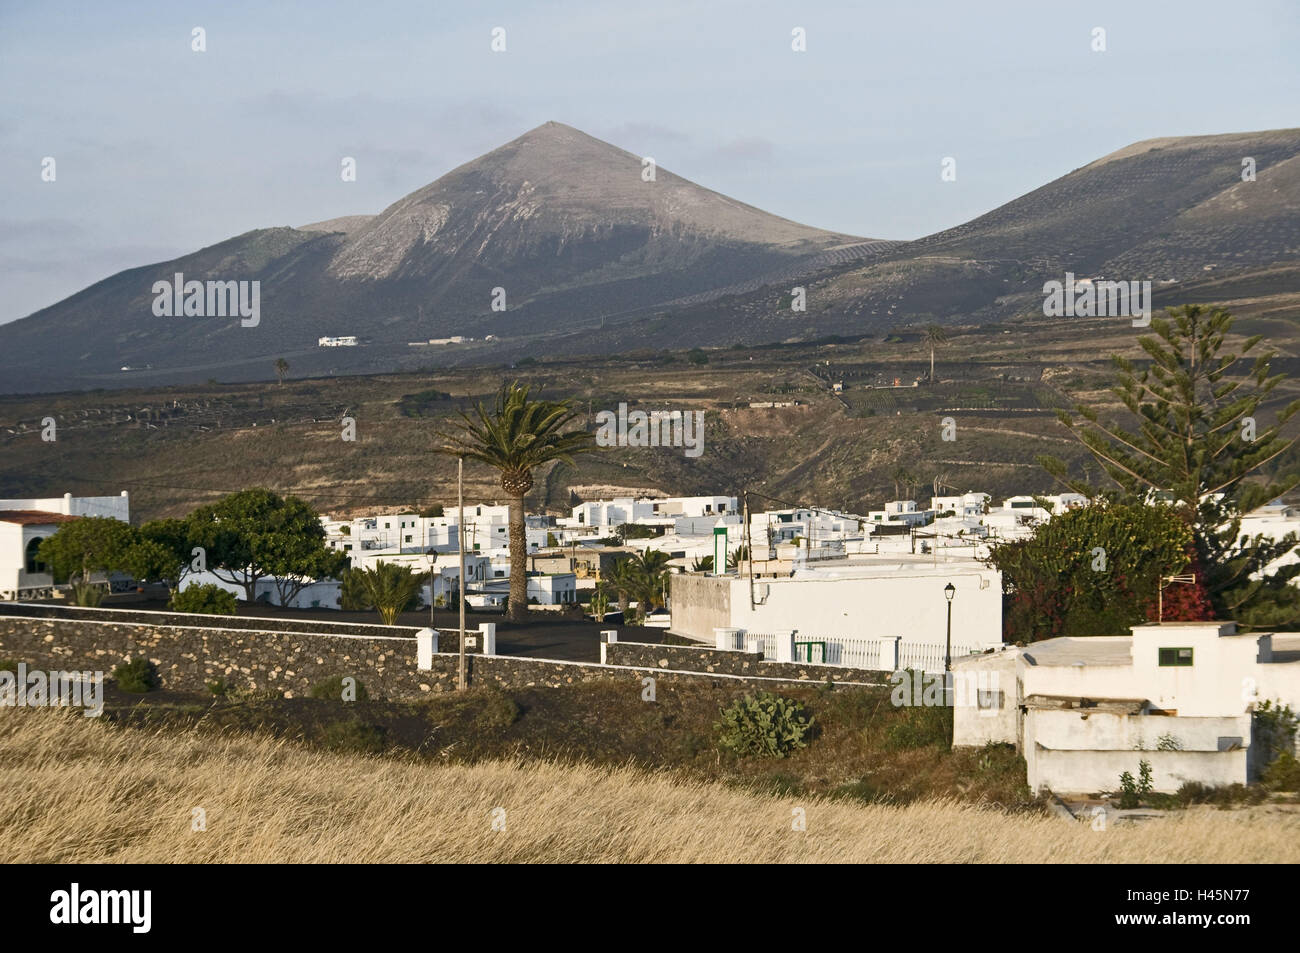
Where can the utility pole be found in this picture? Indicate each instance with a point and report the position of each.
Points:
(460, 531)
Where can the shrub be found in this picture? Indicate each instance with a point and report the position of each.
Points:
(1274, 730)
(1194, 792)
(1284, 773)
(498, 713)
(1132, 792)
(332, 689)
(87, 594)
(763, 724)
(207, 599)
(9, 665)
(136, 676)
(218, 687)
(388, 588)
(355, 737)
(919, 726)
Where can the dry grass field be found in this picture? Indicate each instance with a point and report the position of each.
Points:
(76, 790)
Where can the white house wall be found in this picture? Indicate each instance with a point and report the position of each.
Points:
(905, 604)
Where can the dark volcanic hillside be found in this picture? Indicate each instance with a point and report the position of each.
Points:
(594, 260)
(564, 223)
(1174, 211)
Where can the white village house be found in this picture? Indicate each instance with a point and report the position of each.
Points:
(24, 523)
(1179, 695)
(849, 612)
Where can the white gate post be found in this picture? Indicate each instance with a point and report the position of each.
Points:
(724, 638)
(606, 636)
(785, 646)
(426, 644)
(489, 632)
(891, 653)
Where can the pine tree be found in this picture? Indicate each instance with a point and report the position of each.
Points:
(1197, 441)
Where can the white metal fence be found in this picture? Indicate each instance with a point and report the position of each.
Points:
(858, 653)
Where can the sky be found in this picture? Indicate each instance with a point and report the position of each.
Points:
(160, 150)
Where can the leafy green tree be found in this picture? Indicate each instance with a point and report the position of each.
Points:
(516, 436)
(1198, 438)
(176, 554)
(255, 534)
(83, 547)
(388, 588)
(281, 368)
(1096, 570)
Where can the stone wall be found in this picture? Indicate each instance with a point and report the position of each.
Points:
(187, 618)
(187, 658)
(721, 661)
(290, 663)
(448, 639)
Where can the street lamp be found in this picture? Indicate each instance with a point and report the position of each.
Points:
(948, 592)
(431, 555)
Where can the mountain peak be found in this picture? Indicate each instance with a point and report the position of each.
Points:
(553, 191)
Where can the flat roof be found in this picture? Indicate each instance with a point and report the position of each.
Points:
(1094, 650)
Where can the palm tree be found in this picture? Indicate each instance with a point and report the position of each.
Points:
(281, 368)
(737, 556)
(515, 437)
(934, 336)
(651, 569)
(702, 564)
(389, 588)
(903, 482)
(621, 581)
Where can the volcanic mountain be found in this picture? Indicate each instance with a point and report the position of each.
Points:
(567, 227)
(589, 257)
(1203, 218)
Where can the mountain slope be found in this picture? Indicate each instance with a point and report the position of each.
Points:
(591, 258)
(1174, 211)
(565, 224)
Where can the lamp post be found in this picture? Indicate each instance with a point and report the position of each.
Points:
(461, 684)
(948, 592)
(431, 554)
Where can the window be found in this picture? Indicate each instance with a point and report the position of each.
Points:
(32, 563)
(988, 699)
(1175, 657)
(408, 539)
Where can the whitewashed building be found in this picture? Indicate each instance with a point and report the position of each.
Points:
(25, 522)
(1179, 695)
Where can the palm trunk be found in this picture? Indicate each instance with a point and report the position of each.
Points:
(931, 365)
(518, 610)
